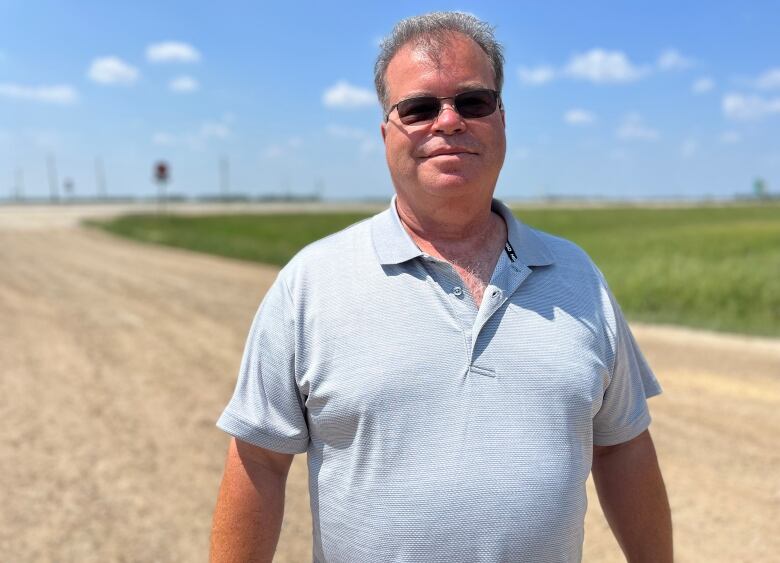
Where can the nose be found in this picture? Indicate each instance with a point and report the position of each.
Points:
(449, 121)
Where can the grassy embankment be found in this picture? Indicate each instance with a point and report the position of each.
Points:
(710, 267)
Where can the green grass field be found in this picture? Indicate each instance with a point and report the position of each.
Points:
(709, 267)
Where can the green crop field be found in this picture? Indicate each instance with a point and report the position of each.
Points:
(710, 267)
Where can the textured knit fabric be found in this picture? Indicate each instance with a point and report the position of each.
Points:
(436, 430)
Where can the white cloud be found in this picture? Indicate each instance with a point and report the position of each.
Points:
(741, 107)
(172, 52)
(112, 70)
(689, 148)
(213, 130)
(344, 95)
(197, 139)
(634, 128)
(44, 139)
(272, 152)
(522, 153)
(536, 75)
(183, 85)
(702, 85)
(368, 146)
(769, 80)
(163, 138)
(367, 143)
(578, 116)
(671, 59)
(730, 137)
(281, 150)
(62, 94)
(342, 132)
(601, 66)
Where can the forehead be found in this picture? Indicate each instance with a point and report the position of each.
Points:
(441, 66)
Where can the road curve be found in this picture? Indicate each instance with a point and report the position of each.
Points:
(116, 359)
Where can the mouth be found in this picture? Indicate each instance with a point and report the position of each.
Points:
(449, 151)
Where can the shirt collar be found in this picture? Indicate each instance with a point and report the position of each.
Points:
(393, 245)
(526, 242)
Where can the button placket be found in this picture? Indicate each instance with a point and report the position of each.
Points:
(506, 284)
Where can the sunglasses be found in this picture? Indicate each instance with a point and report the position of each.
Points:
(471, 104)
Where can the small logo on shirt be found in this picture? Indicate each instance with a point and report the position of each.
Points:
(510, 251)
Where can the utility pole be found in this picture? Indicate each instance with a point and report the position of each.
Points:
(70, 188)
(51, 166)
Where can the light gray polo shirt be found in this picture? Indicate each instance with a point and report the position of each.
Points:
(436, 430)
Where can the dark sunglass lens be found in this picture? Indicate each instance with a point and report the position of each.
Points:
(476, 104)
(415, 110)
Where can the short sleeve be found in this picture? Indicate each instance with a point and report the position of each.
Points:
(266, 408)
(624, 413)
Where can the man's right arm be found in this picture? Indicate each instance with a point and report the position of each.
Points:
(248, 516)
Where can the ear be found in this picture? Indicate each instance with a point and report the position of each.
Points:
(383, 129)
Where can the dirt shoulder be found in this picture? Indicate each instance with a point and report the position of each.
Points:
(118, 357)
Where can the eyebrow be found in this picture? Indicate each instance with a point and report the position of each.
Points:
(464, 87)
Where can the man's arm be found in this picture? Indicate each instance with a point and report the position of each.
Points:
(633, 498)
(248, 516)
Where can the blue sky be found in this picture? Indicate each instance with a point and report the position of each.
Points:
(612, 99)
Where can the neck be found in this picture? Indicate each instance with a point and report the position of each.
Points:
(447, 221)
(464, 237)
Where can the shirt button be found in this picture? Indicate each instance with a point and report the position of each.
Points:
(457, 291)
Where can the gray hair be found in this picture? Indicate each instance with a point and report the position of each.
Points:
(429, 31)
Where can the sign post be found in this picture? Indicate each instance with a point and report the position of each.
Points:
(161, 178)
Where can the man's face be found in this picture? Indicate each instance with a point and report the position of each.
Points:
(449, 157)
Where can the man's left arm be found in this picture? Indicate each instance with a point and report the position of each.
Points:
(633, 498)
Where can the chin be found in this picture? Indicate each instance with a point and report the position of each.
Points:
(455, 177)
(451, 187)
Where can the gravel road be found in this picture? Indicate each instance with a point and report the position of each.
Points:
(116, 358)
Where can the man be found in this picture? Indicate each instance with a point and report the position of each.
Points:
(452, 374)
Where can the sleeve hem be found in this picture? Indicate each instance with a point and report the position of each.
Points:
(241, 429)
(654, 390)
(623, 434)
